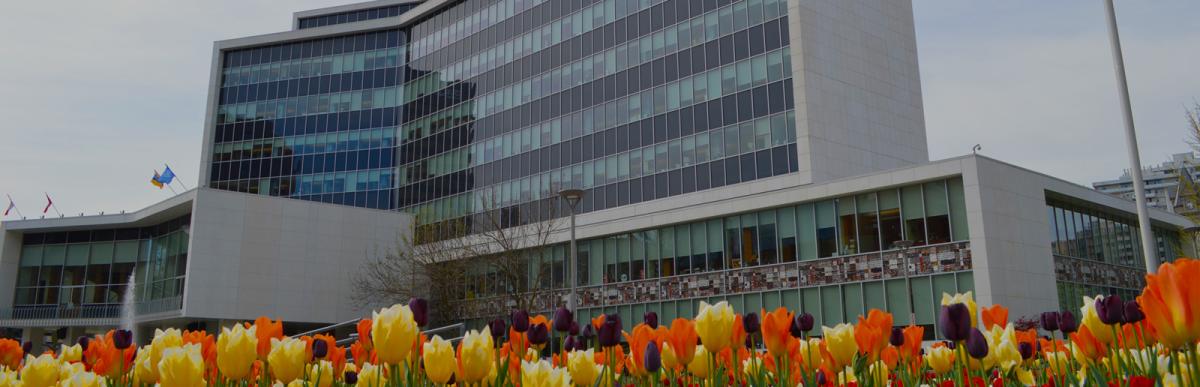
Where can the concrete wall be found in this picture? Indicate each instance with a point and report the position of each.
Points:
(857, 87)
(284, 258)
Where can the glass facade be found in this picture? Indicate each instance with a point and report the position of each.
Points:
(1089, 236)
(355, 16)
(78, 268)
(498, 105)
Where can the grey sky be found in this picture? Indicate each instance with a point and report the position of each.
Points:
(96, 95)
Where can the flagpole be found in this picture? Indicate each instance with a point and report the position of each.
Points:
(172, 190)
(14, 206)
(52, 205)
(185, 188)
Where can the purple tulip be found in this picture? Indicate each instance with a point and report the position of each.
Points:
(27, 347)
(588, 331)
(1067, 322)
(801, 324)
(651, 319)
(420, 310)
(977, 345)
(569, 344)
(498, 329)
(1110, 309)
(538, 334)
(84, 341)
(950, 344)
(350, 377)
(320, 348)
(610, 331)
(563, 318)
(897, 338)
(520, 321)
(955, 321)
(574, 329)
(1026, 350)
(1050, 321)
(751, 323)
(1133, 312)
(653, 361)
(122, 339)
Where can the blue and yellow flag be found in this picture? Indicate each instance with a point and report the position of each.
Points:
(154, 180)
(167, 176)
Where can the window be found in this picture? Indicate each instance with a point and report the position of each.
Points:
(846, 226)
(913, 206)
(868, 226)
(787, 234)
(826, 229)
(889, 218)
(937, 212)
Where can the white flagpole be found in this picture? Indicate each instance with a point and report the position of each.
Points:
(14, 206)
(52, 205)
(185, 188)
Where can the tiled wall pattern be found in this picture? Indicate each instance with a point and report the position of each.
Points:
(1097, 273)
(943, 258)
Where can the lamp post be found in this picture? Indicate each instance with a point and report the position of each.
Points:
(572, 196)
(904, 245)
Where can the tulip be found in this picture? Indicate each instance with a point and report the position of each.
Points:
(320, 348)
(40, 371)
(1066, 322)
(573, 330)
(651, 319)
(1110, 309)
(563, 318)
(897, 337)
(9, 378)
(27, 347)
(699, 365)
(682, 336)
(669, 360)
(802, 324)
(520, 321)
(776, 331)
(714, 325)
(82, 379)
(538, 335)
(83, 341)
(808, 352)
(1050, 321)
(371, 376)
(122, 338)
(1169, 301)
(182, 367)
(994, 315)
(610, 332)
(940, 359)
(475, 356)
(363, 328)
(236, 351)
(542, 374)
(569, 344)
(420, 310)
(393, 333)
(287, 359)
(913, 336)
(70, 354)
(583, 367)
(266, 330)
(350, 377)
(497, 328)
(967, 299)
(841, 344)
(955, 321)
(977, 345)
(1133, 312)
(652, 359)
(751, 323)
(438, 356)
(1026, 350)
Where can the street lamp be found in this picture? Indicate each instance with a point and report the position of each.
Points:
(572, 196)
(903, 246)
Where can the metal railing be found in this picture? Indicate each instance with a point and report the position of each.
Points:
(30, 312)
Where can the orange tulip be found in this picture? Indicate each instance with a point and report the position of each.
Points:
(913, 336)
(1049, 346)
(335, 354)
(994, 315)
(364, 332)
(1171, 302)
(890, 356)
(642, 336)
(872, 332)
(682, 337)
(1087, 343)
(108, 359)
(776, 331)
(11, 354)
(737, 336)
(208, 348)
(362, 354)
(266, 330)
(598, 322)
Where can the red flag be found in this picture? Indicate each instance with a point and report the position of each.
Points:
(48, 204)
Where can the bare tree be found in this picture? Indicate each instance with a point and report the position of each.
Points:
(439, 260)
(1188, 194)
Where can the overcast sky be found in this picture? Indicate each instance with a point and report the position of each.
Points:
(95, 95)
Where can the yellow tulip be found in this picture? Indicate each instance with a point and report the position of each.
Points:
(583, 367)
(940, 359)
(542, 374)
(439, 360)
(476, 355)
(1089, 318)
(287, 359)
(699, 365)
(40, 371)
(714, 325)
(182, 367)
(878, 373)
(8, 378)
(170, 338)
(753, 366)
(810, 354)
(1025, 377)
(143, 371)
(237, 349)
(393, 333)
(83, 379)
(70, 354)
(669, 360)
(840, 342)
(371, 376)
(967, 299)
(1002, 348)
(297, 383)
(320, 374)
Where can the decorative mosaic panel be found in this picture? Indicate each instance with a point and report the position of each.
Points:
(944, 258)
(1098, 273)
